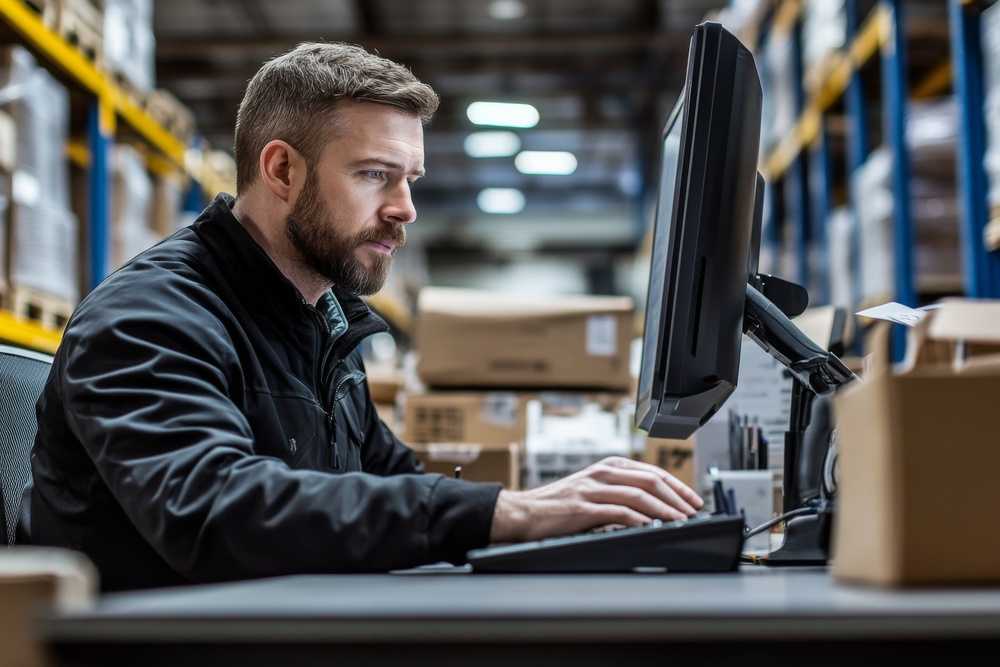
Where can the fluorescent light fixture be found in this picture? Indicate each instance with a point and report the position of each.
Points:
(502, 114)
(506, 10)
(498, 143)
(500, 200)
(558, 163)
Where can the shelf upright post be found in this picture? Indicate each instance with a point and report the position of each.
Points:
(798, 173)
(894, 87)
(100, 128)
(857, 147)
(980, 268)
(822, 182)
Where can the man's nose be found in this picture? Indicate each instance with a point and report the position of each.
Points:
(399, 206)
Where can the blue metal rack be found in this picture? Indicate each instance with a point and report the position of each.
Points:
(981, 268)
(808, 148)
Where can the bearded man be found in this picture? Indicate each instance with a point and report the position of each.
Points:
(207, 416)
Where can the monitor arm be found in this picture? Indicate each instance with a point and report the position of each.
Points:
(816, 372)
(816, 368)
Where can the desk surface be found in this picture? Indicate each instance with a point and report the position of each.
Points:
(754, 604)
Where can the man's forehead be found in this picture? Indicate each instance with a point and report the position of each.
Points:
(380, 131)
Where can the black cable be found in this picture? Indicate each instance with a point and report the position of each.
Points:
(801, 511)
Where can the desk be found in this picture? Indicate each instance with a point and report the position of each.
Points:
(757, 616)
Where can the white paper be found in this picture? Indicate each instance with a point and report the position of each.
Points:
(898, 313)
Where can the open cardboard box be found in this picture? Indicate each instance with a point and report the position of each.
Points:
(919, 452)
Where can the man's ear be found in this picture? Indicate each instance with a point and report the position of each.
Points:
(282, 170)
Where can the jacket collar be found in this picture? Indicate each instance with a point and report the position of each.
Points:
(252, 274)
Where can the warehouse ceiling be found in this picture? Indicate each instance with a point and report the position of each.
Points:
(602, 74)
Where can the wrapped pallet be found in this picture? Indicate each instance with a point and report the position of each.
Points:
(131, 203)
(931, 137)
(129, 44)
(44, 232)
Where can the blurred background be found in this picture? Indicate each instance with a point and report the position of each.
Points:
(116, 128)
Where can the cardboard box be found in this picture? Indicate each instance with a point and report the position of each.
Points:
(484, 339)
(479, 463)
(489, 418)
(383, 383)
(919, 458)
(674, 456)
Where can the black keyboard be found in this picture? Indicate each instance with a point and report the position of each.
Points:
(704, 543)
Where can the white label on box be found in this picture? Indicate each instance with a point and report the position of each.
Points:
(602, 336)
(25, 189)
(898, 313)
(500, 408)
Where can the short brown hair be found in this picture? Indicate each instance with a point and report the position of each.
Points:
(293, 97)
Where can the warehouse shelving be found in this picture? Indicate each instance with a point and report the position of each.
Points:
(109, 105)
(881, 33)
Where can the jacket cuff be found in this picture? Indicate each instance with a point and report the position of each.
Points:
(460, 517)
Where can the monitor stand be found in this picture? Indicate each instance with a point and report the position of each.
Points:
(815, 372)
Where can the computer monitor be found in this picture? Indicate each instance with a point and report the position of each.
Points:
(702, 254)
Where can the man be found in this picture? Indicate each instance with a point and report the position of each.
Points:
(207, 416)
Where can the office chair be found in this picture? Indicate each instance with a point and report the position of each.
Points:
(22, 377)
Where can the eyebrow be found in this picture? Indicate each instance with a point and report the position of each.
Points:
(385, 163)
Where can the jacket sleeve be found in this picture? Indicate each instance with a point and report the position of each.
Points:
(147, 390)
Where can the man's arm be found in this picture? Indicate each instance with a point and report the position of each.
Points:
(146, 389)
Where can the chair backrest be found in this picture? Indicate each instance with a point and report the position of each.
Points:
(22, 378)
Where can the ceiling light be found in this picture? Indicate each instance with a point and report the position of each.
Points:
(500, 200)
(545, 162)
(492, 144)
(506, 10)
(503, 114)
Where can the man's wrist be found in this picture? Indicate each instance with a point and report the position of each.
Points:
(510, 517)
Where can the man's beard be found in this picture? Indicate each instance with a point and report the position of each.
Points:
(313, 231)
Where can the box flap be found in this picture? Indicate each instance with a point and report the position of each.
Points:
(970, 320)
(479, 303)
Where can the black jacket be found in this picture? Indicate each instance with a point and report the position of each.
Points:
(202, 422)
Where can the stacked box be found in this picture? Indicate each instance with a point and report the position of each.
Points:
(528, 370)
(931, 138)
(477, 463)
(129, 44)
(43, 230)
(469, 338)
(131, 199)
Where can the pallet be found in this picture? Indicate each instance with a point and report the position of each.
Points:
(39, 307)
(169, 112)
(79, 22)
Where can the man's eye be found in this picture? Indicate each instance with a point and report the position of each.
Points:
(374, 174)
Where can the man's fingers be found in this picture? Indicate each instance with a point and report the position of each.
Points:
(650, 482)
(605, 515)
(635, 498)
(682, 489)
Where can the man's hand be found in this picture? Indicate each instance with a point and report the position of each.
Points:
(616, 490)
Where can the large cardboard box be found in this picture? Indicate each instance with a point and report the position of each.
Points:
(918, 456)
(483, 339)
(479, 463)
(489, 418)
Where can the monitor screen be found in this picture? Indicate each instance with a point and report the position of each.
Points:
(661, 245)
